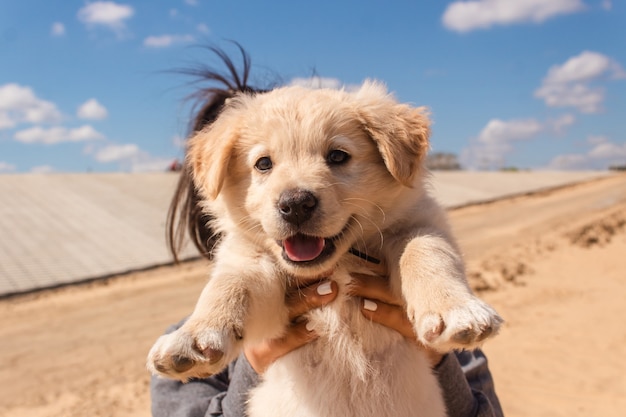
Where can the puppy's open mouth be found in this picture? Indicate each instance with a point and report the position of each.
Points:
(302, 248)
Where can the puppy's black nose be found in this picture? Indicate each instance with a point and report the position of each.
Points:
(297, 206)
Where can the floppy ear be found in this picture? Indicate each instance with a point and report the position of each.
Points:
(209, 155)
(401, 132)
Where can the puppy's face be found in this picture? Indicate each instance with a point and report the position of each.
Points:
(308, 174)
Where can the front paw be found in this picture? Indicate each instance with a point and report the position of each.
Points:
(184, 354)
(464, 325)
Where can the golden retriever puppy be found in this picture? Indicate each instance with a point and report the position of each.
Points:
(303, 184)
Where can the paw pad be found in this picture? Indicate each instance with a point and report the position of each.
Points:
(212, 355)
(181, 363)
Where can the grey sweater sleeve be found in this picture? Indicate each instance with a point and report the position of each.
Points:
(464, 377)
(224, 394)
(467, 385)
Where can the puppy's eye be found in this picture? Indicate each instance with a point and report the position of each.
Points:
(337, 157)
(263, 164)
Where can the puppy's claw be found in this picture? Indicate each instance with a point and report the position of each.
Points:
(435, 325)
(464, 337)
(485, 333)
(464, 327)
(160, 367)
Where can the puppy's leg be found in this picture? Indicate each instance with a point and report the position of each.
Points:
(445, 312)
(230, 309)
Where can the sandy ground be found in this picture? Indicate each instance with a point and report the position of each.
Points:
(553, 264)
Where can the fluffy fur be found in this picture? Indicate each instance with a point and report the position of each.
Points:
(294, 178)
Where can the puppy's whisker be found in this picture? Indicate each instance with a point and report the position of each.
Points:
(373, 223)
(358, 237)
(332, 184)
(365, 213)
(247, 224)
(360, 225)
(382, 212)
(253, 228)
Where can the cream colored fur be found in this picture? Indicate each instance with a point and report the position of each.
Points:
(375, 202)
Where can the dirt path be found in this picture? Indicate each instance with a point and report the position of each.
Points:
(552, 264)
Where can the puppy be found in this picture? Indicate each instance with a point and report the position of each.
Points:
(303, 184)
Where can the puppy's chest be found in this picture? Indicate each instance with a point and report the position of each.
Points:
(342, 327)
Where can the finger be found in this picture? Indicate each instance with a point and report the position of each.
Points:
(297, 335)
(372, 287)
(302, 300)
(267, 352)
(379, 268)
(388, 315)
(395, 317)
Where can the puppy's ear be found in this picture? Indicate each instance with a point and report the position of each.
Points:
(209, 155)
(400, 131)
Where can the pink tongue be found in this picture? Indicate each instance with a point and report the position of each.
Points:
(300, 248)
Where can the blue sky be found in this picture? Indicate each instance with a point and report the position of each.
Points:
(539, 84)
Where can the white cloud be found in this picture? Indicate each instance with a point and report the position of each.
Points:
(42, 169)
(112, 153)
(19, 104)
(607, 5)
(92, 109)
(465, 16)
(568, 162)
(130, 158)
(586, 66)
(609, 151)
(6, 167)
(163, 41)
(580, 96)
(179, 141)
(202, 28)
(56, 135)
(498, 139)
(6, 120)
(150, 164)
(573, 84)
(58, 29)
(317, 82)
(560, 124)
(106, 14)
(601, 154)
(191, 2)
(499, 131)
(597, 139)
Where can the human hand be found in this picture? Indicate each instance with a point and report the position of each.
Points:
(380, 306)
(299, 301)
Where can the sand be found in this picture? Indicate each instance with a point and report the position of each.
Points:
(553, 264)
